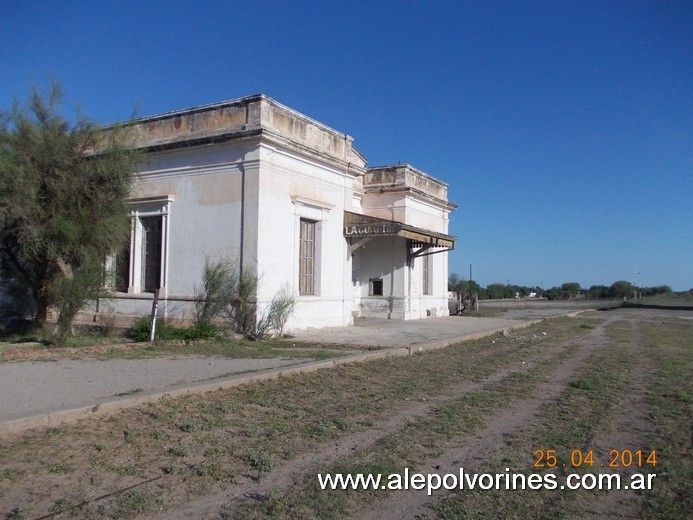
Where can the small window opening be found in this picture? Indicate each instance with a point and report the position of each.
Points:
(376, 286)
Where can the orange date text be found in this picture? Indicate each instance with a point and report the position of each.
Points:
(577, 458)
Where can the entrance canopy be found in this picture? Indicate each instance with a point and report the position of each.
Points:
(364, 228)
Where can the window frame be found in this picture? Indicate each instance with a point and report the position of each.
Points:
(144, 208)
(315, 211)
(306, 257)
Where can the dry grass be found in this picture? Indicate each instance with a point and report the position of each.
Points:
(197, 444)
(166, 454)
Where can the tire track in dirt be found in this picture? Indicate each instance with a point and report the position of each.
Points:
(474, 453)
(628, 431)
(294, 472)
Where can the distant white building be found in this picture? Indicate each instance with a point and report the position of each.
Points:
(256, 182)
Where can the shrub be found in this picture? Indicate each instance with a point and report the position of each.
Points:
(205, 331)
(227, 291)
(246, 304)
(220, 281)
(280, 309)
(140, 331)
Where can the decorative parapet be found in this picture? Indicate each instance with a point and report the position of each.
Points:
(239, 118)
(403, 177)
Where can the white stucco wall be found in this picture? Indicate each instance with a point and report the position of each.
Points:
(403, 207)
(428, 305)
(203, 221)
(247, 172)
(294, 187)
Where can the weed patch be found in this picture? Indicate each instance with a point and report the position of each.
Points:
(262, 461)
(134, 502)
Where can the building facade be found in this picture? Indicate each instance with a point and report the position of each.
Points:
(257, 183)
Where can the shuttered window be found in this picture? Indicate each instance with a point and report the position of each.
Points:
(306, 271)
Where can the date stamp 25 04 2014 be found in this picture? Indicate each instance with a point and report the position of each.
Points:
(578, 458)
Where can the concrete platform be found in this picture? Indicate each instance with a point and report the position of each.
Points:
(398, 333)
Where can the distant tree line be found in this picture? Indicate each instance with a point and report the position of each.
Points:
(570, 290)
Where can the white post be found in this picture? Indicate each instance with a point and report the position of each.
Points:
(155, 306)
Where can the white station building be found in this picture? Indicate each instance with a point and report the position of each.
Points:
(257, 183)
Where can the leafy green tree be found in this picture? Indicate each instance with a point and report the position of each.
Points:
(553, 293)
(621, 289)
(498, 291)
(453, 281)
(564, 292)
(63, 190)
(660, 289)
(598, 291)
(570, 289)
(473, 287)
(522, 290)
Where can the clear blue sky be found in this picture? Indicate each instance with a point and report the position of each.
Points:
(564, 129)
